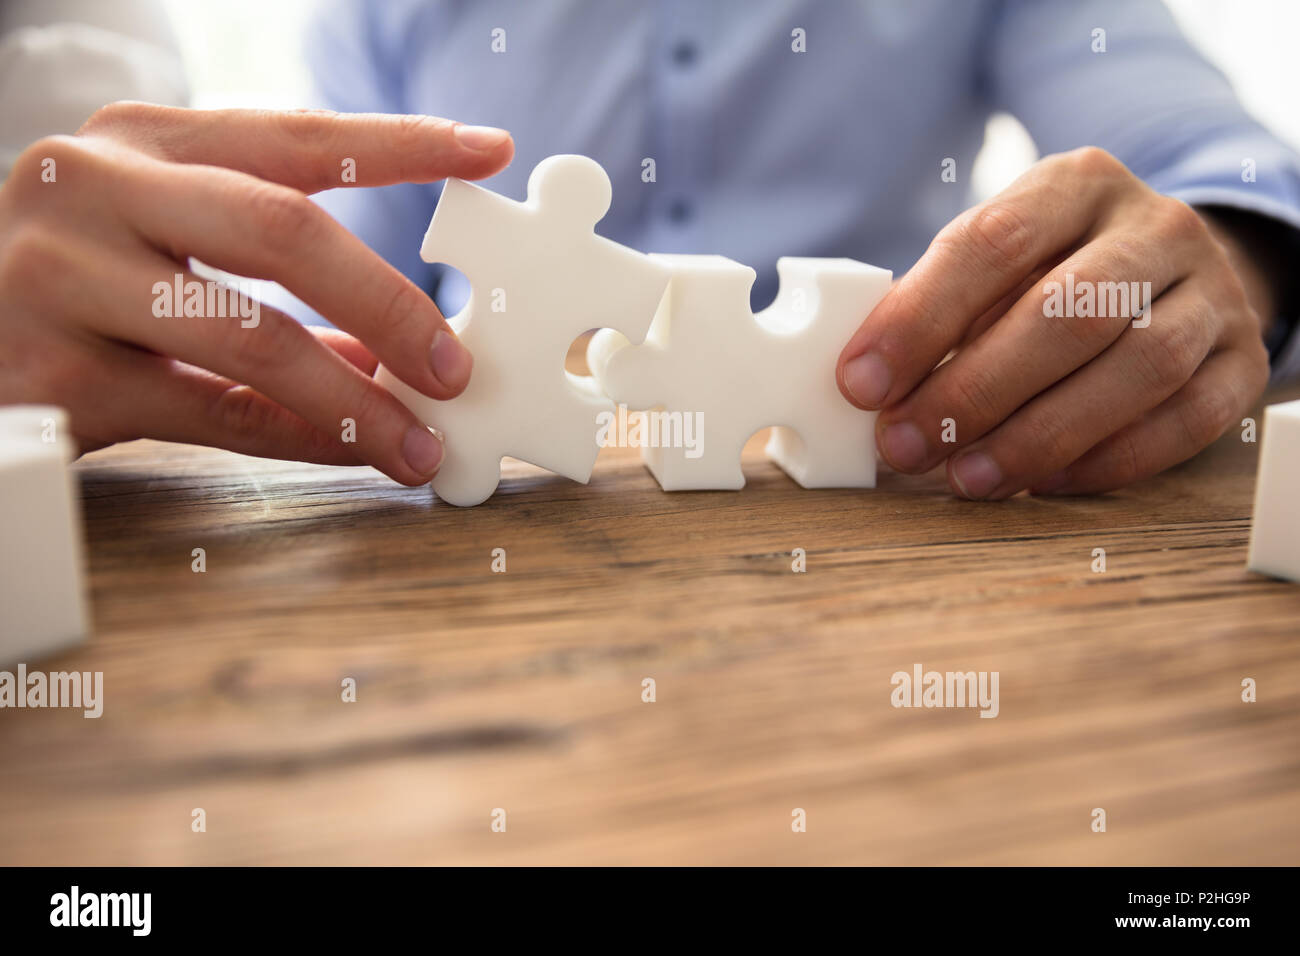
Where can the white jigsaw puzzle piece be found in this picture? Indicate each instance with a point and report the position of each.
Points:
(539, 278)
(42, 594)
(1275, 528)
(707, 353)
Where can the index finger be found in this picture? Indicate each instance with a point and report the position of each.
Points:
(310, 150)
(975, 261)
(249, 227)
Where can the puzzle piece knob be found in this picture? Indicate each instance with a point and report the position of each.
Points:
(573, 186)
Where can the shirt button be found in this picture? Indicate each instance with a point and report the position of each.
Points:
(679, 211)
(684, 52)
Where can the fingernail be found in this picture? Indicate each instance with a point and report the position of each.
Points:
(422, 450)
(481, 138)
(976, 474)
(1051, 483)
(868, 378)
(451, 361)
(904, 446)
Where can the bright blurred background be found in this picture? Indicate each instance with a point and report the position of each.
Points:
(248, 53)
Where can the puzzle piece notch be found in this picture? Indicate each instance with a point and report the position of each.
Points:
(706, 352)
(539, 278)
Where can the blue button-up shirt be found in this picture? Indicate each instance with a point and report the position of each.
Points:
(761, 128)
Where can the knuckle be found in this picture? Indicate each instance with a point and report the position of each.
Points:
(286, 218)
(405, 303)
(319, 445)
(110, 116)
(32, 262)
(313, 136)
(1177, 219)
(998, 233)
(1079, 336)
(376, 417)
(1259, 369)
(414, 132)
(121, 115)
(1093, 161)
(239, 411)
(915, 308)
(1120, 259)
(58, 147)
(32, 161)
(1111, 308)
(1048, 444)
(305, 126)
(310, 136)
(1205, 415)
(62, 375)
(975, 397)
(1126, 458)
(260, 351)
(1235, 302)
(1170, 353)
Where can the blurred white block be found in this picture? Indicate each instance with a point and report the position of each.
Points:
(1275, 530)
(42, 599)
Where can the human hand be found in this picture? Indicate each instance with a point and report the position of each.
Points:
(1039, 395)
(142, 188)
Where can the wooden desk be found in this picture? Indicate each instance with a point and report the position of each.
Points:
(523, 690)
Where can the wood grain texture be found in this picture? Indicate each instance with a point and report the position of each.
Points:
(522, 690)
